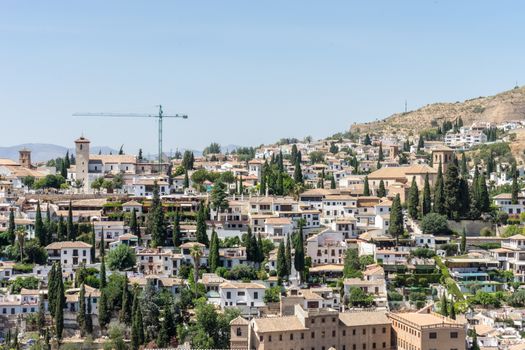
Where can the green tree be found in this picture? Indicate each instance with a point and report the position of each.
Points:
(11, 226)
(40, 232)
(219, 197)
(439, 194)
(475, 345)
(103, 281)
(396, 228)
(214, 251)
(444, 305)
(155, 221)
(104, 313)
(357, 297)
(121, 258)
(70, 227)
(168, 328)
(201, 234)
(463, 245)
(125, 314)
(288, 255)
(351, 267)
(381, 191)
(41, 321)
(515, 187)
(298, 173)
(149, 303)
(81, 314)
(366, 188)
(137, 326)
(413, 199)
(426, 204)
(281, 261)
(60, 301)
(299, 252)
(367, 141)
(133, 224)
(434, 223)
(177, 234)
(452, 192)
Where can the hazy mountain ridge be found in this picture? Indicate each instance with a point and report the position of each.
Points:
(41, 152)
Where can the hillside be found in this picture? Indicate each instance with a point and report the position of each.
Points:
(41, 152)
(508, 105)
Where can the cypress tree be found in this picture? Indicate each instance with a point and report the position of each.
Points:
(366, 188)
(260, 252)
(186, 183)
(51, 290)
(475, 207)
(396, 228)
(89, 320)
(367, 140)
(381, 156)
(297, 174)
(484, 198)
(515, 188)
(420, 143)
(439, 194)
(102, 246)
(444, 305)
(125, 314)
(464, 197)
(475, 345)
(288, 255)
(81, 314)
(281, 261)
(93, 242)
(40, 232)
(70, 228)
(464, 167)
(61, 229)
(103, 281)
(137, 327)
(332, 183)
(59, 302)
(299, 251)
(177, 234)
(201, 235)
(381, 192)
(12, 226)
(103, 309)
(463, 245)
(452, 192)
(241, 185)
(156, 226)
(413, 199)
(214, 251)
(167, 328)
(133, 223)
(41, 321)
(426, 204)
(49, 226)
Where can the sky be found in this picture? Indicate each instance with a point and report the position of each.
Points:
(246, 72)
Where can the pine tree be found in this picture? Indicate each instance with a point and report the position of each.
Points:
(413, 199)
(381, 191)
(81, 314)
(201, 234)
(366, 188)
(299, 251)
(426, 204)
(451, 189)
(515, 188)
(396, 228)
(288, 255)
(40, 232)
(439, 194)
(214, 251)
(177, 234)
(281, 261)
(70, 227)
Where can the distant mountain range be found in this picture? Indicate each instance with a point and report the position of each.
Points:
(41, 152)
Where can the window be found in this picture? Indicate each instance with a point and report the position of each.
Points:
(302, 335)
(239, 333)
(364, 346)
(384, 330)
(344, 332)
(374, 330)
(384, 345)
(313, 335)
(228, 295)
(364, 331)
(373, 345)
(256, 295)
(291, 336)
(454, 335)
(353, 331)
(269, 338)
(432, 335)
(333, 333)
(280, 337)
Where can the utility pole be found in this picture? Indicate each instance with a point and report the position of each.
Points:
(160, 116)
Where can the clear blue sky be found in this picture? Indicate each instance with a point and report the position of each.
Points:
(247, 72)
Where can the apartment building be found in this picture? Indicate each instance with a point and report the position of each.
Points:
(247, 296)
(511, 256)
(326, 247)
(504, 203)
(427, 331)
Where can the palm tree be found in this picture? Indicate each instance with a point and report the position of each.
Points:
(196, 254)
(21, 236)
(78, 184)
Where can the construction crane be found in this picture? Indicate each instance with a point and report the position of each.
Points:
(160, 116)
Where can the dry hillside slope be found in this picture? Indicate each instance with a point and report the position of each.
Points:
(508, 105)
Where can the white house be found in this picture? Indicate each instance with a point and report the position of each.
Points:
(246, 296)
(326, 247)
(504, 202)
(70, 254)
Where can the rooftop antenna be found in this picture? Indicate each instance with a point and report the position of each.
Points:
(160, 116)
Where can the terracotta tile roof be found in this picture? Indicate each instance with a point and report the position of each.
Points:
(68, 244)
(363, 318)
(278, 324)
